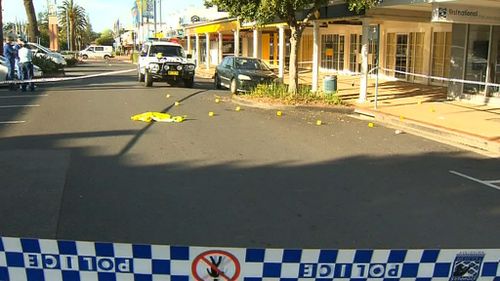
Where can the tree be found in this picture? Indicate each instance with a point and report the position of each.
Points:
(106, 38)
(43, 26)
(361, 5)
(33, 32)
(1, 27)
(73, 17)
(267, 11)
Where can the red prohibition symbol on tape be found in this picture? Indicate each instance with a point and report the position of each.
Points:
(216, 265)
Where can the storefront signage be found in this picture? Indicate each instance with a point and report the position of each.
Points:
(442, 12)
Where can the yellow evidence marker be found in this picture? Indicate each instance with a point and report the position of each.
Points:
(279, 113)
(167, 96)
(217, 100)
(318, 122)
(371, 125)
(211, 114)
(238, 108)
(177, 103)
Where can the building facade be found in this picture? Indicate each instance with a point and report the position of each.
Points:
(455, 44)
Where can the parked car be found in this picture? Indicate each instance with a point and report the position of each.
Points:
(97, 51)
(37, 72)
(39, 50)
(165, 61)
(241, 74)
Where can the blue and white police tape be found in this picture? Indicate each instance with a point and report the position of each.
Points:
(56, 260)
(60, 79)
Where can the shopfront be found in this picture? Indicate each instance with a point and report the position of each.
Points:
(475, 51)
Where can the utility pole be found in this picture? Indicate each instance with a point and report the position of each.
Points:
(154, 11)
(161, 21)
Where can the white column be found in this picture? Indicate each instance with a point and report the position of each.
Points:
(219, 49)
(244, 46)
(207, 51)
(281, 51)
(257, 44)
(197, 46)
(315, 64)
(363, 83)
(237, 42)
(188, 44)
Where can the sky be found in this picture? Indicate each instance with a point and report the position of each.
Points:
(102, 13)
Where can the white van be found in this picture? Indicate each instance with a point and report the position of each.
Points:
(39, 50)
(97, 51)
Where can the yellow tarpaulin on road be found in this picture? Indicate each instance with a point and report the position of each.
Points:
(157, 117)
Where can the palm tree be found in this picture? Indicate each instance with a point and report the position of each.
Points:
(1, 28)
(33, 32)
(73, 19)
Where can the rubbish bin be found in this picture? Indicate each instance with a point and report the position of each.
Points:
(330, 84)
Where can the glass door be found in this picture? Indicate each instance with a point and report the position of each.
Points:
(401, 55)
(477, 58)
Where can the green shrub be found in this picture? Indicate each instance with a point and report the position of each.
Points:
(279, 91)
(47, 65)
(71, 61)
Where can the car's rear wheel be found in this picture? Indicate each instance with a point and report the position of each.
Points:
(140, 76)
(188, 83)
(106, 57)
(234, 87)
(217, 84)
(148, 79)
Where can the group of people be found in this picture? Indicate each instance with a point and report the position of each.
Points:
(19, 57)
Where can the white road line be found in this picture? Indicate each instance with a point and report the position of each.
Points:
(19, 105)
(476, 180)
(22, 96)
(493, 181)
(12, 122)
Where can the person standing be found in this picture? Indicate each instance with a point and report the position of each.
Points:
(26, 65)
(10, 54)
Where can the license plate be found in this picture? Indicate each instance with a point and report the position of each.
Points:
(173, 73)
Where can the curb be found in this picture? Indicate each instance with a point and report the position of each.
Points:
(454, 137)
(262, 105)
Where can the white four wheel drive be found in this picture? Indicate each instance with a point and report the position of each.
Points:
(165, 61)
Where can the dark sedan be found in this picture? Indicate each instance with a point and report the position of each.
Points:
(241, 74)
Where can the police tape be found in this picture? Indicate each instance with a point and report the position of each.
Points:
(59, 79)
(44, 260)
(488, 84)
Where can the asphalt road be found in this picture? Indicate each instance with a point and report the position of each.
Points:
(76, 167)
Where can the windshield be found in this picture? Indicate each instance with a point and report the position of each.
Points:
(250, 64)
(166, 51)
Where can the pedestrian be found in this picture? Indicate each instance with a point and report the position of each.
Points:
(18, 65)
(10, 55)
(26, 65)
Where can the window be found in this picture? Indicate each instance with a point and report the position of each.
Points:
(99, 49)
(416, 54)
(332, 51)
(354, 53)
(250, 64)
(441, 55)
(166, 50)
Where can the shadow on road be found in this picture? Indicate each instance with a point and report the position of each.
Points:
(353, 202)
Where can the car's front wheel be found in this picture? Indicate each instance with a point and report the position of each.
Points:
(85, 57)
(217, 84)
(140, 76)
(148, 79)
(188, 83)
(234, 87)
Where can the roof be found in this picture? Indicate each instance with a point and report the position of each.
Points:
(163, 43)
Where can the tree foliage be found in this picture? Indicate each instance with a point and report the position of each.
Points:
(106, 38)
(73, 17)
(267, 11)
(361, 5)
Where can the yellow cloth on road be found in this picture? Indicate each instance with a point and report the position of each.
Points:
(158, 117)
